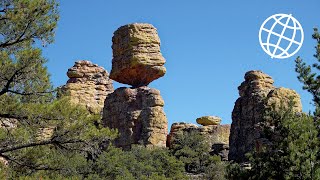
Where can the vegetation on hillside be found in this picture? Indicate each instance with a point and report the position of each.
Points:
(42, 139)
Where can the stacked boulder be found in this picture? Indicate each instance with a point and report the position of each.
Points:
(137, 111)
(216, 135)
(137, 59)
(257, 94)
(88, 85)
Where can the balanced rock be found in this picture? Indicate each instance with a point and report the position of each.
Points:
(209, 120)
(138, 115)
(257, 94)
(89, 84)
(137, 59)
(213, 135)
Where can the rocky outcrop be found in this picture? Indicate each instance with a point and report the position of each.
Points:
(209, 120)
(137, 59)
(282, 98)
(88, 85)
(257, 94)
(136, 112)
(220, 149)
(214, 135)
(138, 115)
(45, 133)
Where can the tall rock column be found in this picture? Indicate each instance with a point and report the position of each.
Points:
(257, 93)
(137, 111)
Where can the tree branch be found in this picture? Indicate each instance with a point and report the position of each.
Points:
(10, 80)
(31, 93)
(33, 144)
(34, 167)
(19, 38)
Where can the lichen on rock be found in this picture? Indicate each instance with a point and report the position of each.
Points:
(88, 85)
(137, 59)
(138, 115)
(214, 135)
(208, 120)
(257, 94)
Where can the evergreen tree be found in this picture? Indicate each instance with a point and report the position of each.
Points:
(192, 149)
(39, 136)
(311, 80)
(138, 163)
(291, 152)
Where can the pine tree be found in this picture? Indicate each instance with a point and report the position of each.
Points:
(192, 149)
(39, 136)
(291, 152)
(311, 80)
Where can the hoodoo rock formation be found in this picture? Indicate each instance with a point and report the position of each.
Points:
(138, 115)
(257, 93)
(137, 59)
(89, 84)
(217, 136)
(136, 112)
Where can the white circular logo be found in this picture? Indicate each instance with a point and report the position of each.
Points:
(281, 36)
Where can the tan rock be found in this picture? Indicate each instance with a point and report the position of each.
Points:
(137, 59)
(213, 135)
(45, 133)
(284, 97)
(257, 94)
(209, 120)
(89, 84)
(138, 115)
(8, 123)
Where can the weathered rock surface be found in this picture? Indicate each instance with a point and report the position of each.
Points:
(221, 149)
(138, 115)
(213, 135)
(209, 120)
(89, 84)
(137, 59)
(257, 93)
(283, 97)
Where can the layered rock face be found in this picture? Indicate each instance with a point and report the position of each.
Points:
(136, 112)
(89, 84)
(137, 59)
(138, 115)
(257, 93)
(217, 136)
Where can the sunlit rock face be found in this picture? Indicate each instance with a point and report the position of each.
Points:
(257, 94)
(88, 85)
(136, 112)
(137, 59)
(216, 136)
(138, 115)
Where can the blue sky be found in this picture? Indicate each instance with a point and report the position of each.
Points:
(208, 45)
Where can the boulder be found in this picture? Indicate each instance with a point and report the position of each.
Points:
(137, 59)
(257, 94)
(213, 135)
(209, 120)
(282, 98)
(138, 115)
(88, 85)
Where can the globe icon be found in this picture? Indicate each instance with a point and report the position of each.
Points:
(281, 36)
